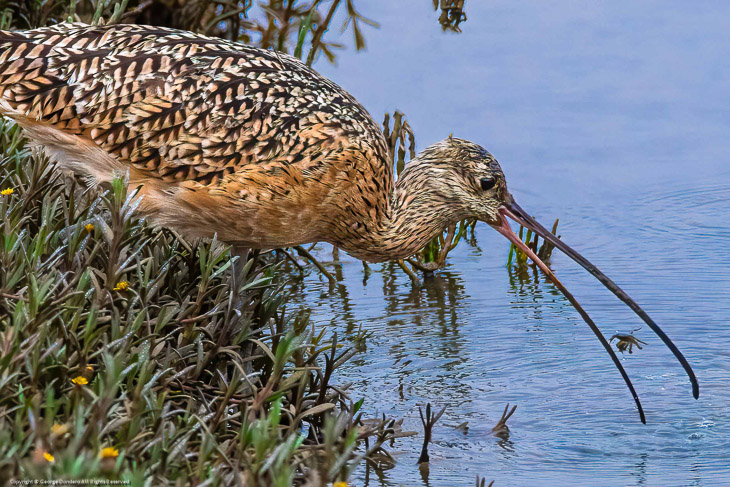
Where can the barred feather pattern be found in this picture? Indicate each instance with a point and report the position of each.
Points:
(221, 137)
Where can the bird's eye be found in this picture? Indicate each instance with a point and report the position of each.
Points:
(487, 183)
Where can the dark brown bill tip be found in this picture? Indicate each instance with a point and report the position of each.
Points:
(504, 228)
(516, 213)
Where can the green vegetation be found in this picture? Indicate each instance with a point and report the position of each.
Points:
(543, 251)
(125, 354)
(124, 351)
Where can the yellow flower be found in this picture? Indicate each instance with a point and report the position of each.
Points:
(80, 380)
(49, 458)
(7, 192)
(89, 227)
(121, 286)
(339, 484)
(59, 429)
(109, 452)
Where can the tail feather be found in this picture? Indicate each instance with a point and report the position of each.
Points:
(35, 93)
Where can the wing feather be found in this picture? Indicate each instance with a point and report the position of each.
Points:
(178, 105)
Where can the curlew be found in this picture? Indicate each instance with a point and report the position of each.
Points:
(254, 146)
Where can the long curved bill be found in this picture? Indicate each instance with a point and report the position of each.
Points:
(513, 211)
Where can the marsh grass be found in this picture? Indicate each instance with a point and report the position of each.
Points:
(519, 259)
(268, 24)
(124, 352)
(452, 14)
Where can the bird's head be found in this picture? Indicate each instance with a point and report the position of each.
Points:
(467, 179)
(468, 183)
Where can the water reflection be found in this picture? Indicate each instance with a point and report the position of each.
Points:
(639, 470)
(380, 474)
(429, 314)
(427, 346)
(424, 469)
(635, 166)
(506, 445)
(439, 296)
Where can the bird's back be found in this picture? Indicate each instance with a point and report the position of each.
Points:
(203, 120)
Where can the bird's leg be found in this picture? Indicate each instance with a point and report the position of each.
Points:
(305, 253)
(237, 268)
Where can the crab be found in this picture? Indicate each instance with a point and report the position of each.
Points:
(627, 341)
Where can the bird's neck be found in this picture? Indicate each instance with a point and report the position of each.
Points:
(414, 213)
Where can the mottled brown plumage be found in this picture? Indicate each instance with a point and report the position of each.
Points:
(225, 138)
(251, 145)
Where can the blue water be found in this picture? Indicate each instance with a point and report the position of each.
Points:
(615, 117)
